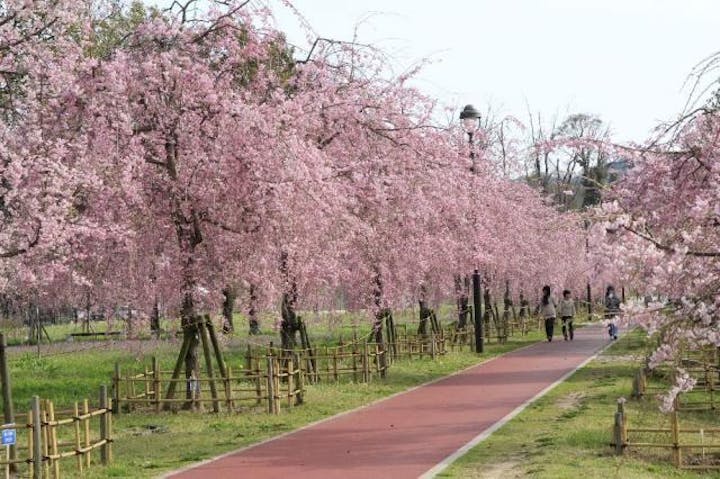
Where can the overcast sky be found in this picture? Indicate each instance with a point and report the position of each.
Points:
(625, 60)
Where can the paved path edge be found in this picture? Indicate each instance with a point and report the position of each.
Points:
(445, 463)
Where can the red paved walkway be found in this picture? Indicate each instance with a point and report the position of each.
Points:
(408, 434)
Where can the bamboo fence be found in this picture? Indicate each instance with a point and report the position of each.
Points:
(690, 448)
(49, 438)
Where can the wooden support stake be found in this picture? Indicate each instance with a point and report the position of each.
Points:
(37, 455)
(222, 367)
(178, 368)
(208, 366)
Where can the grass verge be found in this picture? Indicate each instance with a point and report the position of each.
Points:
(148, 444)
(567, 432)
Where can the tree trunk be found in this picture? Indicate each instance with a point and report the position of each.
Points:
(290, 324)
(462, 286)
(155, 319)
(228, 308)
(381, 314)
(252, 312)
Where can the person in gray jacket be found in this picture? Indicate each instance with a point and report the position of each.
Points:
(567, 313)
(547, 308)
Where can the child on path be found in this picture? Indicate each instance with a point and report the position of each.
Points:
(547, 309)
(612, 309)
(567, 312)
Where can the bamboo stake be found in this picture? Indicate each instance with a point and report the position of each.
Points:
(271, 384)
(335, 366)
(300, 382)
(290, 380)
(228, 389)
(86, 410)
(76, 424)
(157, 387)
(276, 378)
(45, 440)
(116, 389)
(105, 453)
(258, 381)
(675, 431)
(52, 429)
(131, 387)
(36, 439)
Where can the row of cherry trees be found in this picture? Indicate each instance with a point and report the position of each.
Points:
(191, 153)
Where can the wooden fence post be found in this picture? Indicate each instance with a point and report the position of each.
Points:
(353, 354)
(277, 368)
(300, 382)
(675, 431)
(271, 383)
(105, 451)
(432, 345)
(618, 435)
(8, 411)
(157, 387)
(37, 454)
(116, 389)
(76, 423)
(86, 411)
(365, 365)
(45, 437)
(290, 380)
(228, 389)
(52, 433)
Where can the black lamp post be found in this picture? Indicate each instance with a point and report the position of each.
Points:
(470, 118)
(587, 253)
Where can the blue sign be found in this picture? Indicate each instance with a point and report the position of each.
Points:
(8, 437)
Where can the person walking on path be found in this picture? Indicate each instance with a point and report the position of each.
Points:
(612, 309)
(547, 309)
(567, 313)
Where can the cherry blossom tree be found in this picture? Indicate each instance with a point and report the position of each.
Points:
(661, 224)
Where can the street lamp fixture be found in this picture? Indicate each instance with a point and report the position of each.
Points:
(470, 119)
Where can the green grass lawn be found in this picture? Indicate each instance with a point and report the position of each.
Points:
(567, 433)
